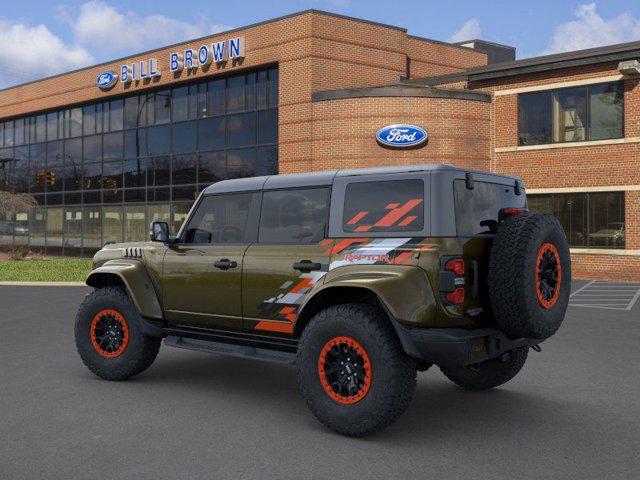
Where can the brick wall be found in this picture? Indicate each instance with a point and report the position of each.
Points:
(344, 131)
(575, 167)
(429, 58)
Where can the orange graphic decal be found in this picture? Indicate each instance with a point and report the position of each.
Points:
(305, 283)
(357, 218)
(343, 244)
(397, 213)
(288, 313)
(407, 221)
(403, 258)
(283, 327)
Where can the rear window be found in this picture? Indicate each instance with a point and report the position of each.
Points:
(389, 206)
(477, 210)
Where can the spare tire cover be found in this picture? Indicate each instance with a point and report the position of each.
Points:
(529, 275)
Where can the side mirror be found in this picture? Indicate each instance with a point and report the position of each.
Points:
(160, 232)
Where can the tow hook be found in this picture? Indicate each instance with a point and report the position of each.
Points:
(536, 348)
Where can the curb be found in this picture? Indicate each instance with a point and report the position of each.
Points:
(43, 284)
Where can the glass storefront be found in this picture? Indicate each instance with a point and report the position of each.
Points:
(102, 172)
(590, 220)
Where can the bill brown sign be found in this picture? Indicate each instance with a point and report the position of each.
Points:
(189, 59)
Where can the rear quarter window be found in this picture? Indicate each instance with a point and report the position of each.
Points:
(384, 206)
(477, 209)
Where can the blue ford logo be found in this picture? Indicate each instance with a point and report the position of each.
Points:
(401, 136)
(106, 80)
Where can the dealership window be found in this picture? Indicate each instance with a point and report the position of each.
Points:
(577, 114)
(92, 168)
(590, 220)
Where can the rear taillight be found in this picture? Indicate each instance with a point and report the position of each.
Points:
(507, 212)
(456, 266)
(452, 280)
(456, 297)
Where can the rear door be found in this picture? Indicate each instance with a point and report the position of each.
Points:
(291, 255)
(202, 273)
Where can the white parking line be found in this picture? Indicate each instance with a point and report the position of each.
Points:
(582, 288)
(609, 296)
(634, 300)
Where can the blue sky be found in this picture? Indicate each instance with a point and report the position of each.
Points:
(43, 37)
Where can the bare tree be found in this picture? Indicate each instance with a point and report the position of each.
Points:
(16, 202)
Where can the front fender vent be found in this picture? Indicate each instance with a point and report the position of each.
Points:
(133, 252)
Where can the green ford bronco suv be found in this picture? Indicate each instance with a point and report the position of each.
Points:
(358, 277)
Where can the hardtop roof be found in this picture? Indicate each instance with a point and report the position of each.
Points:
(325, 178)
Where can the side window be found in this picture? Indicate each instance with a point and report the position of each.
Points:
(220, 219)
(477, 210)
(388, 206)
(294, 216)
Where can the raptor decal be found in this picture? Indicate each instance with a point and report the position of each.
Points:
(284, 305)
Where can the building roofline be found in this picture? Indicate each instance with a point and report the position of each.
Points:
(440, 42)
(226, 32)
(495, 44)
(400, 90)
(436, 79)
(556, 61)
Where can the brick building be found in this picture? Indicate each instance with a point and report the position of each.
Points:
(105, 150)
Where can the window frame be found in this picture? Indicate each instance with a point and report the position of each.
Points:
(552, 92)
(325, 231)
(251, 231)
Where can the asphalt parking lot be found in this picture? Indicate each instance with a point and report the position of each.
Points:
(573, 412)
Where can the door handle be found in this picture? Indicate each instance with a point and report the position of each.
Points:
(306, 266)
(225, 264)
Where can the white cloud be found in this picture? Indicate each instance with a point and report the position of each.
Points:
(99, 32)
(29, 52)
(107, 31)
(589, 29)
(469, 31)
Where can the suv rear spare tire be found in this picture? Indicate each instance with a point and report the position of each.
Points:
(529, 275)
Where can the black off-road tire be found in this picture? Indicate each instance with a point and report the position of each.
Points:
(521, 300)
(140, 350)
(488, 374)
(392, 372)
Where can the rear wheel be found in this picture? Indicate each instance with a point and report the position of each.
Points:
(108, 335)
(489, 374)
(352, 371)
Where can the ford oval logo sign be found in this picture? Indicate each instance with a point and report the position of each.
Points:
(106, 80)
(401, 136)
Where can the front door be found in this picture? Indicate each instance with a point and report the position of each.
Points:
(291, 256)
(202, 272)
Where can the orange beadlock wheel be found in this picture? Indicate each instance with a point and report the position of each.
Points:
(345, 370)
(548, 275)
(109, 333)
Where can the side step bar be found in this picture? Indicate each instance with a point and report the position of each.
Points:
(223, 348)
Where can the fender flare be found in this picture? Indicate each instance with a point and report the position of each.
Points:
(133, 275)
(404, 308)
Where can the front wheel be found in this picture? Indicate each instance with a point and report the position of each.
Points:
(352, 371)
(108, 335)
(489, 374)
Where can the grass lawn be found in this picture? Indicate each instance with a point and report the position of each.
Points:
(47, 270)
